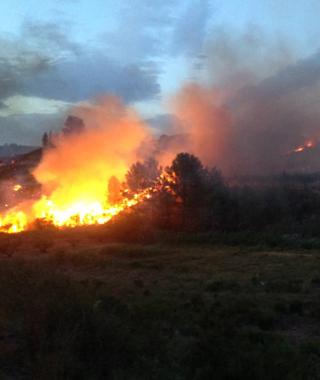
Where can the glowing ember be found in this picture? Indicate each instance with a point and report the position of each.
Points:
(17, 187)
(307, 145)
(299, 149)
(14, 222)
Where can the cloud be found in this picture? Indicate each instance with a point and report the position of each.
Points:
(91, 75)
(28, 129)
(17, 63)
(49, 38)
(191, 28)
(20, 105)
(43, 62)
(142, 31)
(32, 52)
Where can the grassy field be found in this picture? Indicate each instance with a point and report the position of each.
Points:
(74, 306)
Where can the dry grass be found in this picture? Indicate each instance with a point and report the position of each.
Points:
(76, 305)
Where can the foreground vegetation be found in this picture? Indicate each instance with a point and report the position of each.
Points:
(78, 306)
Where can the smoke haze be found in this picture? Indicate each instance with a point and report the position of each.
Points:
(257, 104)
(81, 165)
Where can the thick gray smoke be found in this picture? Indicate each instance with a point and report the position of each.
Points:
(260, 105)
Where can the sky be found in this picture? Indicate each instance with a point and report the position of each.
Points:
(58, 53)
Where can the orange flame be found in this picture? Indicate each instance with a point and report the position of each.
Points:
(75, 174)
(309, 144)
(72, 215)
(17, 187)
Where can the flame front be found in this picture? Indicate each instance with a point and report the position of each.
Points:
(78, 213)
(74, 175)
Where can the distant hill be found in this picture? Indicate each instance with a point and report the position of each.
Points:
(10, 150)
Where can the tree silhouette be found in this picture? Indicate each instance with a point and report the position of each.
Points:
(45, 140)
(142, 175)
(201, 192)
(189, 176)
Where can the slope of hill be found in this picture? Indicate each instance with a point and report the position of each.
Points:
(10, 150)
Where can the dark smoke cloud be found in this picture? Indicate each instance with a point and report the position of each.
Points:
(248, 123)
(302, 74)
(273, 117)
(234, 60)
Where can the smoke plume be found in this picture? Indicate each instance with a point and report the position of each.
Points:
(252, 112)
(80, 166)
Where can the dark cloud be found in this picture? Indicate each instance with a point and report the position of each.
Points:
(32, 52)
(92, 75)
(28, 129)
(44, 62)
(49, 37)
(17, 62)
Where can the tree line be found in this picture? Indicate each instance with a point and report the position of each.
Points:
(192, 197)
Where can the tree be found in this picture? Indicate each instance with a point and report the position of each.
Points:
(201, 192)
(188, 176)
(45, 140)
(188, 195)
(142, 175)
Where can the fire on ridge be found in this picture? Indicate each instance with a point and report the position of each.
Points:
(78, 213)
(309, 144)
(71, 179)
(76, 168)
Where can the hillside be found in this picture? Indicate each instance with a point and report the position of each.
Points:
(17, 170)
(10, 150)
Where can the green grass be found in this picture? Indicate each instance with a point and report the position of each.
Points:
(74, 306)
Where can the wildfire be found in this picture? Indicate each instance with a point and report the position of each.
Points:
(75, 171)
(17, 187)
(71, 215)
(307, 145)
